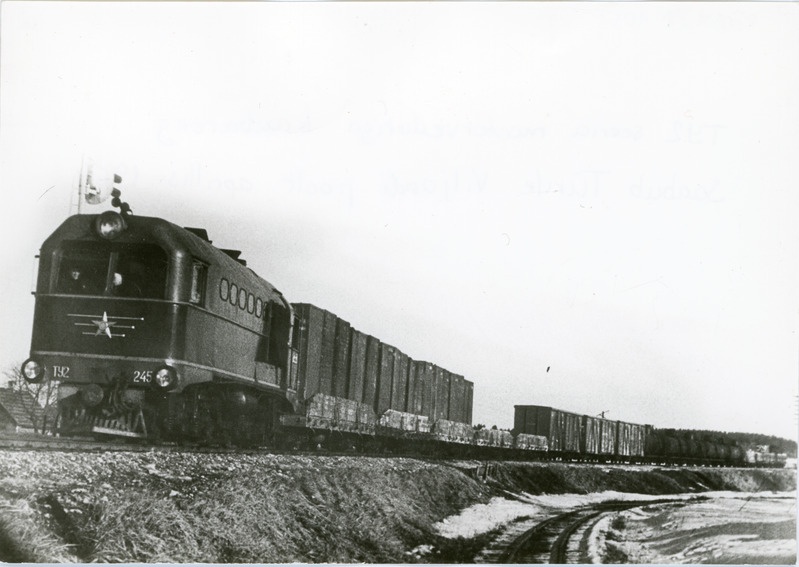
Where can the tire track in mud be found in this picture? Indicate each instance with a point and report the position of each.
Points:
(559, 539)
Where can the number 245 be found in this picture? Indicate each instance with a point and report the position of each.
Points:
(142, 376)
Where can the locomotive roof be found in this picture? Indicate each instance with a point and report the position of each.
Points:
(171, 237)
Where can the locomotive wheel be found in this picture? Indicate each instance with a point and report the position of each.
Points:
(201, 417)
(215, 414)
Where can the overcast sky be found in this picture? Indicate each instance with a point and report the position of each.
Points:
(605, 190)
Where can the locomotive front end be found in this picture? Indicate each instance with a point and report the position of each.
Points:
(104, 323)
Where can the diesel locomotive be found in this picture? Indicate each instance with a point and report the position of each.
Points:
(153, 332)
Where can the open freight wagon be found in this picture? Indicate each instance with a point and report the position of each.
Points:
(352, 382)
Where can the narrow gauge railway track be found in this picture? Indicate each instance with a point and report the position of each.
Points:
(77, 444)
(92, 445)
(560, 539)
(87, 445)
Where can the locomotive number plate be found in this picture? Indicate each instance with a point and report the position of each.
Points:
(142, 376)
(60, 372)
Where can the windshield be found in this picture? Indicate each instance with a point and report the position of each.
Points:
(86, 268)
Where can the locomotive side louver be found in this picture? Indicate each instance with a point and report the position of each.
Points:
(235, 255)
(199, 232)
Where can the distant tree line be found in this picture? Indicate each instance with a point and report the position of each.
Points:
(743, 440)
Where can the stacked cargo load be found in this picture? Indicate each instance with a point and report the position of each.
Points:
(529, 442)
(321, 412)
(391, 420)
(462, 432)
(453, 431)
(423, 424)
(403, 422)
(562, 429)
(493, 438)
(505, 438)
(409, 421)
(366, 419)
(346, 414)
(329, 412)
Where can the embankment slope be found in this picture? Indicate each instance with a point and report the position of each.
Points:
(222, 508)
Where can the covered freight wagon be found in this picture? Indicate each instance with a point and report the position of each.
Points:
(598, 436)
(339, 361)
(630, 439)
(562, 429)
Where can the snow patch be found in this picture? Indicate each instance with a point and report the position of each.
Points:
(482, 518)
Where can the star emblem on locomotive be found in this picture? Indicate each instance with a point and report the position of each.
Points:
(104, 325)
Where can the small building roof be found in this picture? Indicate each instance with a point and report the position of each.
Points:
(20, 406)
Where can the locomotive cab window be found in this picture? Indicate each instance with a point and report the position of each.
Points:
(139, 272)
(123, 271)
(83, 271)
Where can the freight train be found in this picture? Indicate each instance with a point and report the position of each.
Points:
(152, 332)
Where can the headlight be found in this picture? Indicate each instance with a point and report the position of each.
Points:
(166, 378)
(32, 371)
(109, 225)
(91, 395)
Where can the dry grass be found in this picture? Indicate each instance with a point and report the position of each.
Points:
(556, 478)
(26, 537)
(183, 508)
(370, 512)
